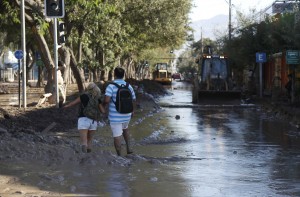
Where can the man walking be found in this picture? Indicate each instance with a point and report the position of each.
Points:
(118, 121)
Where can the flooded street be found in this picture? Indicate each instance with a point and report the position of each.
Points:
(185, 150)
(223, 151)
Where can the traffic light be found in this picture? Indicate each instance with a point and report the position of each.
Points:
(55, 8)
(61, 36)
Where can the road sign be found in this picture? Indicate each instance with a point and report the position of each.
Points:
(292, 57)
(261, 57)
(19, 54)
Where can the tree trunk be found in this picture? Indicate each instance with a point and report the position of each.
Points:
(78, 72)
(40, 76)
(47, 59)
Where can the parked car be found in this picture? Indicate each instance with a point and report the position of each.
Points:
(176, 76)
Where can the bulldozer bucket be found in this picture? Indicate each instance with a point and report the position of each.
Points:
(219, 97)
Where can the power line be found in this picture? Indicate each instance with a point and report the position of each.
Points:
(258, 14)
(264, 11)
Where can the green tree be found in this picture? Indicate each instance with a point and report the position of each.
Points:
(274, 34)
(100, 34)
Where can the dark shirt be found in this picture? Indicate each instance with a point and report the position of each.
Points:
(84, 99)
(288, 85)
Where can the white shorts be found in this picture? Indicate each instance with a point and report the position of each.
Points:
(117, 128)
(87, 123)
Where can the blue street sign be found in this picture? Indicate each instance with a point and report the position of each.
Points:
(292, 57)
(261, 57)
(19, 54)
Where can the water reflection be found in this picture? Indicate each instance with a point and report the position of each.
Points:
(237, 146)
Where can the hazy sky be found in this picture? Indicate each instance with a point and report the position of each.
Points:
(205, 9)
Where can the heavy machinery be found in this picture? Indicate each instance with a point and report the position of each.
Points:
(162, 74)
(214, 83)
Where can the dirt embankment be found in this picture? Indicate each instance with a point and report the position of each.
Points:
(33, 133)
(283, 111)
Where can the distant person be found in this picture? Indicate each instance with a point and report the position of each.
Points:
(61, 83)
(87, 124)
(118, 121)
(288, 86)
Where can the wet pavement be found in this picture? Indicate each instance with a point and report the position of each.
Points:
(188, 150)
(220, 150)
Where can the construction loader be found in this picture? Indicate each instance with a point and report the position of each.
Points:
(214, 83)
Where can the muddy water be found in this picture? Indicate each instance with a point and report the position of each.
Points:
(185, 151)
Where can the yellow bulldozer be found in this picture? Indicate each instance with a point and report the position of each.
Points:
(162, 74)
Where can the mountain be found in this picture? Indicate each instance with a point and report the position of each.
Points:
(211, 28)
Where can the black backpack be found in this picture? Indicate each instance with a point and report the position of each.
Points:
(124, 100)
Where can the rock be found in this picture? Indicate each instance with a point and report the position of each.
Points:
(155, 161)
(6, 116)
(153, 179)
(73, 188)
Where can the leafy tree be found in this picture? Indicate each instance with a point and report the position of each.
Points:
(100, 34)
(274, 34)
(186, 64)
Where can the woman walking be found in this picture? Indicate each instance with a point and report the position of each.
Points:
(89, 115)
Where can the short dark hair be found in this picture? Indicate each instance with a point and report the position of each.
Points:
(119, 72)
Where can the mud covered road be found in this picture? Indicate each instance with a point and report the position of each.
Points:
(182, 150)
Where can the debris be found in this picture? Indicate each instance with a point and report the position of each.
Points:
(43, 98)
(3, 130)
(51, 126)
(5, 113)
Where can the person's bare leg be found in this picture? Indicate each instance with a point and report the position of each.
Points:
(126, 136)
(118, 144)
(90, 135)
(83, 139)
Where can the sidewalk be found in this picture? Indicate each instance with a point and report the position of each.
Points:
(282, 110)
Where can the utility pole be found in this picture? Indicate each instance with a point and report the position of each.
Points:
(229, 23)
(201, 42)
(56, 61)
(24, 51)
(55, 9)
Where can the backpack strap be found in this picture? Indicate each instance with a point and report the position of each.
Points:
(113, 83)
(118, 86)
(89, 96)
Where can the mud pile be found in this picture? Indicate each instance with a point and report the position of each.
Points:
(38, 132)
